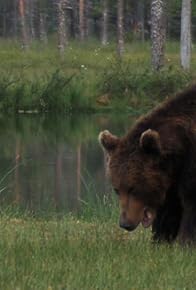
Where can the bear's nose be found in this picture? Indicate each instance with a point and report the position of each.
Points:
(127, 226)
(125, 223)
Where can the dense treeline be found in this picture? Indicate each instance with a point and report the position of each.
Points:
(39, 19)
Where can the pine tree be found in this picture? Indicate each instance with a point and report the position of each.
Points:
(23, 25)
(82, 19)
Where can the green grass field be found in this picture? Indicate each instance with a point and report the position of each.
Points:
(88, 253)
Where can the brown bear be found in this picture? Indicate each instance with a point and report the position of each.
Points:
(153, 169)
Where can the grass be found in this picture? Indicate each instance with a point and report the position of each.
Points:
(87, 252)
(39, 80)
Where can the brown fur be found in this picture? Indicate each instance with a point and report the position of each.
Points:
(153, 168)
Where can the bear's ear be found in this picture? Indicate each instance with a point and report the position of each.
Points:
(108, 141)
(150, 141)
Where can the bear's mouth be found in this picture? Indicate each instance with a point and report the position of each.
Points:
(148, 217)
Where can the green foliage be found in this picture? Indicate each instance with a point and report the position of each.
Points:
(55, 92)
(174, 7)
(39, 80)
(132, 86)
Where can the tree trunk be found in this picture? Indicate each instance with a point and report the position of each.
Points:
(23, 27)
(87, 22)
(74, 19)
(158, 33)
(105, 23)
(81, 19)
(15, 19)
(120, 26)
(4, 23)
(31, 18)
(186, 34)
(62, 37)
(42, 28)
(140, 14)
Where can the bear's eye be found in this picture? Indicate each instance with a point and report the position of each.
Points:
(130, 190)
(116, 191)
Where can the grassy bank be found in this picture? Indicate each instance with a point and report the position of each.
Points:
(88, 78)
(79, 253)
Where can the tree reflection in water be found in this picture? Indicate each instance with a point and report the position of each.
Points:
(54, 161)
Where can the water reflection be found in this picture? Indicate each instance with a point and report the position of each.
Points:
(52, 161)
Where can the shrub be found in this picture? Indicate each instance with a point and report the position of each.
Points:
(57, 92)
(128, 85)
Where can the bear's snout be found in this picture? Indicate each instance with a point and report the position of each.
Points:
(125, 224)
(128, 227)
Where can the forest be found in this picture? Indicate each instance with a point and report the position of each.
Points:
(94, 44)
(84, 19)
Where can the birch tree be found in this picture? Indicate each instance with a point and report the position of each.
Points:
(185, 51)
(120, 27)
(62, 37)
(104, 37)
(42, 28)
(158, 33)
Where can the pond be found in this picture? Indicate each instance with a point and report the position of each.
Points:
(50, 161)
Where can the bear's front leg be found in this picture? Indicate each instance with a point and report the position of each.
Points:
(187, 232)
(168, 220)
(166, 226)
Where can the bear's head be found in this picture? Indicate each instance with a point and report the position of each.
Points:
(138, 175)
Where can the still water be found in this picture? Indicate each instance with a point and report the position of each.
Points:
(54, 161)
